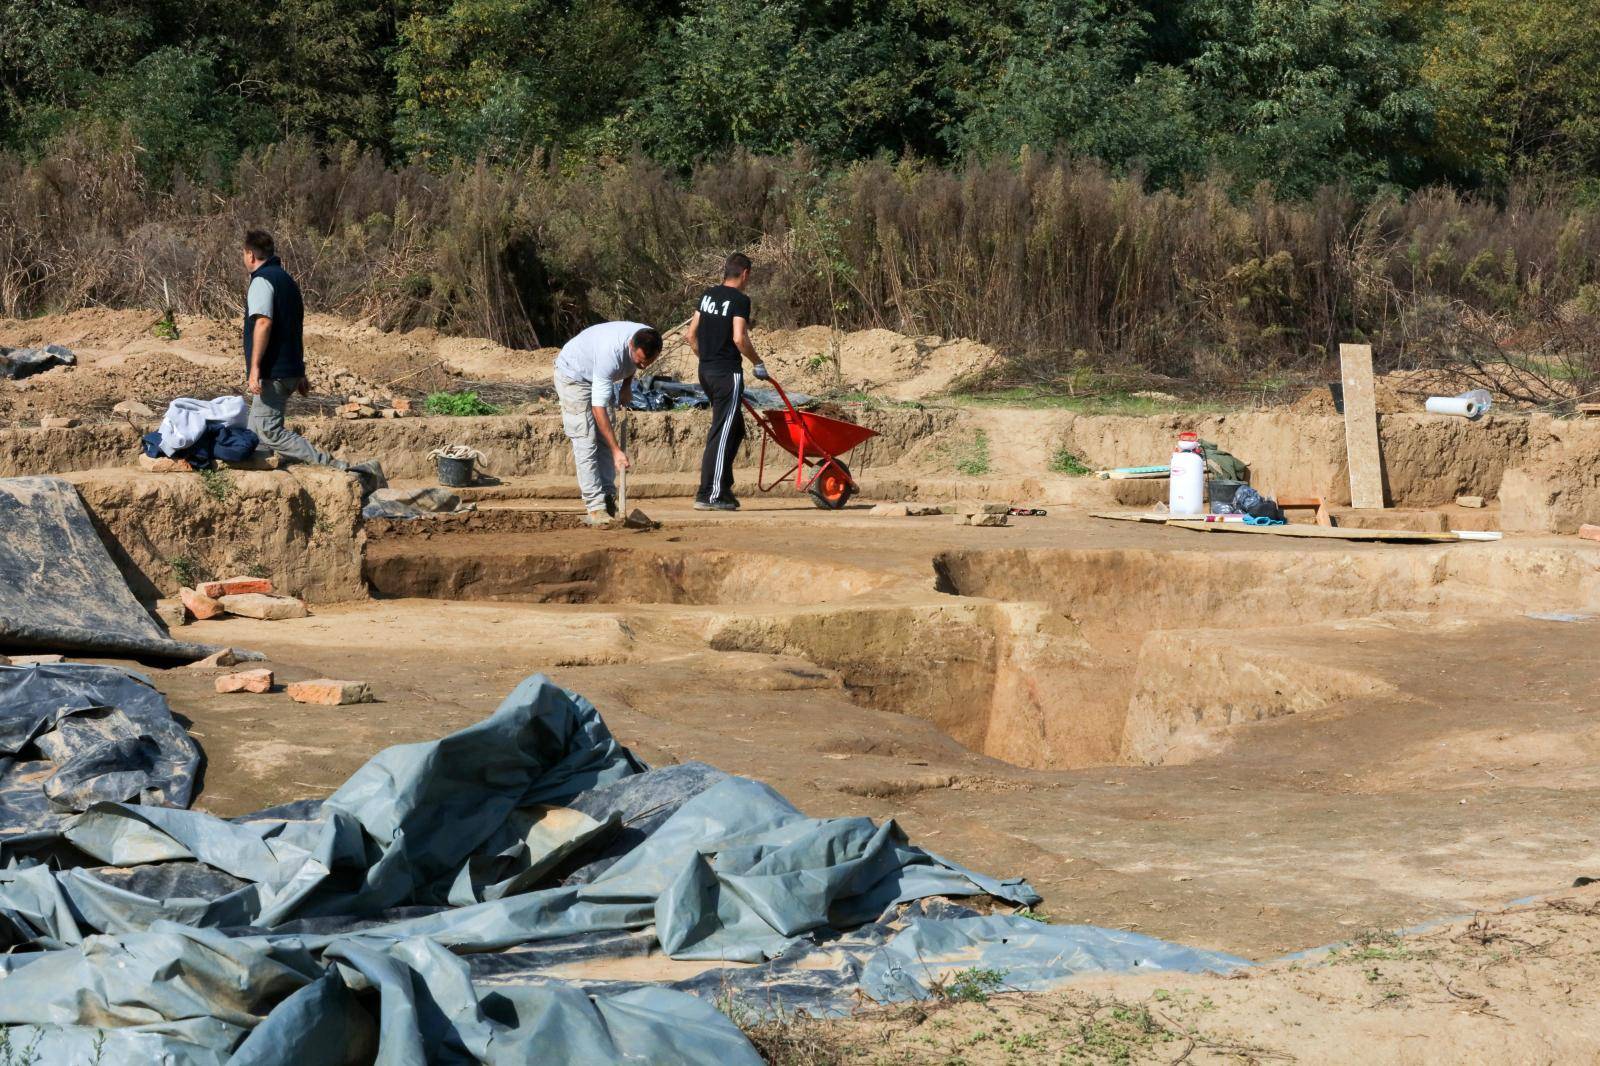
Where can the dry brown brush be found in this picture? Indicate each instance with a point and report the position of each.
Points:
(1054, 260)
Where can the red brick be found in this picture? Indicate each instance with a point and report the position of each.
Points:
(200, 605)
(330, 693)
(246, 681)
(1589, 532)
(217, 659)
(235, 586)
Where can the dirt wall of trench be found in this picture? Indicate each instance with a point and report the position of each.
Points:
(1428, 459)
(299, 528)
(513, 445)
(1544, 471)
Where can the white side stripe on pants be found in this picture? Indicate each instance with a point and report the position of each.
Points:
(727, 428)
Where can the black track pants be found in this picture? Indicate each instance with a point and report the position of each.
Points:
(726, 389)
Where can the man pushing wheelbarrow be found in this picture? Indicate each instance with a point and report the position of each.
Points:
(719, 332)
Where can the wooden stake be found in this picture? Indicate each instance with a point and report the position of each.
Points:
(1361, 426)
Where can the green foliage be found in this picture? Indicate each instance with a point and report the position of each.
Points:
(971, 457)
(187, 572)
(802, 78)
(503, 78)
(218, 483)
(1065, 462)
(1301, 93)
(971, 986)
(1518, 86)
(166, 327)
(459, 404)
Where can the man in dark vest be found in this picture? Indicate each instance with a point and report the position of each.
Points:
(274, 359)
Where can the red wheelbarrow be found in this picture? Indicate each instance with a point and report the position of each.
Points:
(816, 442)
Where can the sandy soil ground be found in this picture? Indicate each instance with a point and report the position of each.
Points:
(1450, 786)
(1508, 985)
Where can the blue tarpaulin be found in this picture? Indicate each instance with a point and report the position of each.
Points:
(451, 901)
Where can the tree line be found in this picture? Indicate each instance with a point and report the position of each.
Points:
(1372, 95)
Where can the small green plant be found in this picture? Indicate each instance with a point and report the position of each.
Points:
(186, 571)
(1064, 462)
(166, 327)
(972, 458)
(1034, 916)
(218, 483)
(458, 404)
(971, 986)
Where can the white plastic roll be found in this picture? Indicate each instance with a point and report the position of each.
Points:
(1470, 405)
(1452, 405)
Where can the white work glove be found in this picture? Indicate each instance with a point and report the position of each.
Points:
(761, 372)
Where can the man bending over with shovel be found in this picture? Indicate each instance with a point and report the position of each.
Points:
(594, 372)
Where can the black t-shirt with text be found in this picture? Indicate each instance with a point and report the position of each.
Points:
(718, 308)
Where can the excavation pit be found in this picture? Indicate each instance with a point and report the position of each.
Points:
(1039, 657)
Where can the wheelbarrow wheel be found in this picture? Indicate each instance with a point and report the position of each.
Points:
(833, 488)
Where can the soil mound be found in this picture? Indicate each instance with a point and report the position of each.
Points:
(878, 362)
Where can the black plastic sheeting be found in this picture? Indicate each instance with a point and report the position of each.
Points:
(507, 894)
(73, 735)
(59, 589)
(661, 393)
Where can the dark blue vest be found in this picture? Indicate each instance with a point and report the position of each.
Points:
(285, 356)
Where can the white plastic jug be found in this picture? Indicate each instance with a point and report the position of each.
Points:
(1186, 489)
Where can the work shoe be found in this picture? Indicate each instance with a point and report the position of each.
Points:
(370, 474)
(598, 519)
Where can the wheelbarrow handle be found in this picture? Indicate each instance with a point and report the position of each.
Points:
(784, 396)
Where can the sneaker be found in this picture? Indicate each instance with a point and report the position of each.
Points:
(598, 519)
(701, 505)
(720, 505)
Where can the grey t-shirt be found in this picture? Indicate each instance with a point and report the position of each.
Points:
(601, 355)
(258, 298)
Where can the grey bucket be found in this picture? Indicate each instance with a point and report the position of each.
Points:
(456, 473)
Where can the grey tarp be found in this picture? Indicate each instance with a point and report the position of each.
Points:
(26, 362)
(72, 735)
(316, 932)
(59, 589)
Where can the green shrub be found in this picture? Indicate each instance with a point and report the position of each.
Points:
(460, 404)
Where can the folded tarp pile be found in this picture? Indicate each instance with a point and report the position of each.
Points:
(59, 589)
(25, 362)
(470, 900)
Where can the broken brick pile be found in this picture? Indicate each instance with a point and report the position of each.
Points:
(367, 407)
(245, 597)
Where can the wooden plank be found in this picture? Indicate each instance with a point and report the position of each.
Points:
(1322, 532)
(1159, 517)
(1361, 426)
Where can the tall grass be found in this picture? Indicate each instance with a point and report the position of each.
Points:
(1053, 260)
